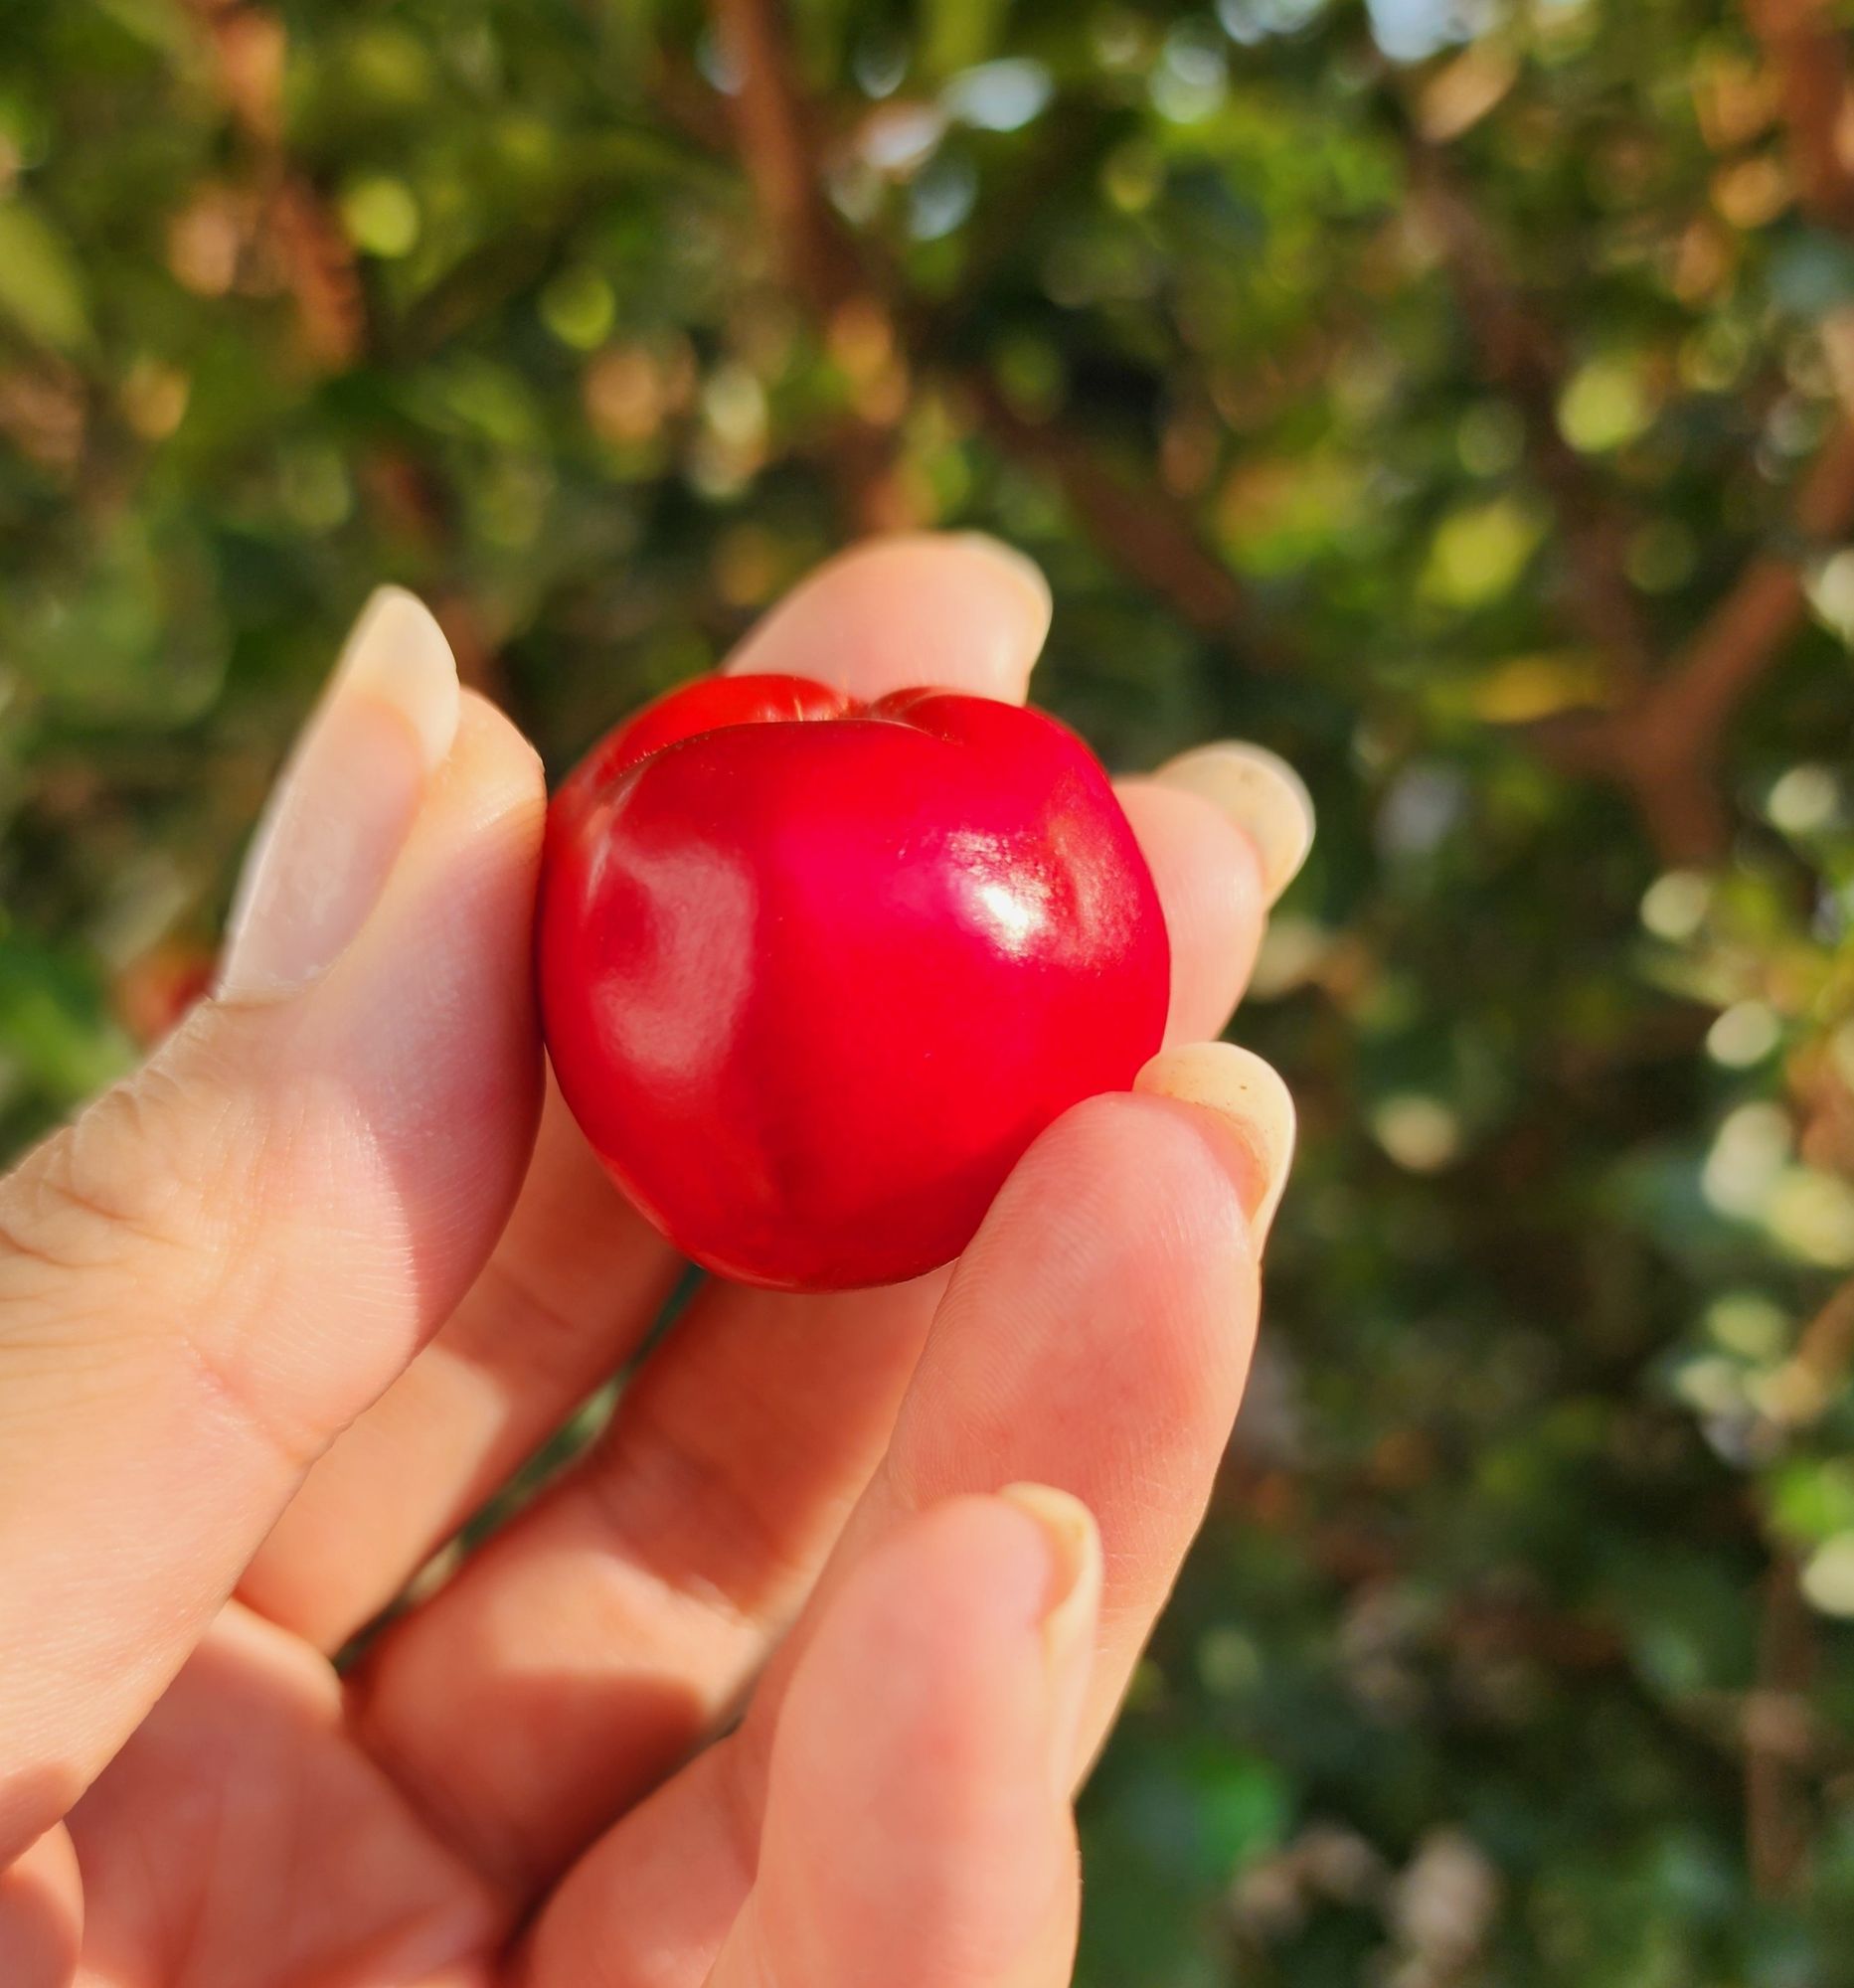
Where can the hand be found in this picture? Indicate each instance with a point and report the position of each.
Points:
(278, 1313)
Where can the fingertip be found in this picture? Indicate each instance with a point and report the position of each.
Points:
(960, 611)
(1115, 1265)
(1260, 793)
(339, 816)
(1120, 1186)
(1095, 1335)
(1250, 1099)
(1070, 1615)
(397, 652)
(1017, 571)
(967, 1569)
(1209, 878)
(494, 768)
(936, 1644)
(421, 1050)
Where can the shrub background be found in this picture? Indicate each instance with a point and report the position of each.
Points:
(1454, 395)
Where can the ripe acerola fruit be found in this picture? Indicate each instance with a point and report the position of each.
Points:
(815, 973)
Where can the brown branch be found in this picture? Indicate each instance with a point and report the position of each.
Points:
(773, 124)
(1662, 742)
(1144, 530)
(1662, 746)
(1778, 1824)
(680, 94)
(318, 268)
(315, 261)
(1520, 354)
(1825, 1351)
(1750, 625)
(1807, 55)
(996, 236)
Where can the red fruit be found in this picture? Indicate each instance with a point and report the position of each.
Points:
(815, 973)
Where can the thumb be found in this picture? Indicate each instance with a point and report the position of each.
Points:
(231, 1254)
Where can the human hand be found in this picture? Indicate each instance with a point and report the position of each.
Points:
(283, 1309)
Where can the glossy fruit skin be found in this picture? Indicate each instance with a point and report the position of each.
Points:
(814, 973)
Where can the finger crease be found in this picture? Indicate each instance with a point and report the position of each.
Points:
(445, 1820)
(554, 1343)
(641, 1464)
(20, 1242)
(228, 1390)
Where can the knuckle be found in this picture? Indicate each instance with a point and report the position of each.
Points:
(125, 1233)
(98, 1195)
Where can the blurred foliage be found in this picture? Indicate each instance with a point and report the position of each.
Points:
(1452, 362)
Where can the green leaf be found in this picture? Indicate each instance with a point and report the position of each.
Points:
(52, 1032)
(42, 286)
(958, 34)
(1479, 553)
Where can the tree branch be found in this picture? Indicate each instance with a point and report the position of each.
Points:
(772, 125)
(1141, 527)
(1807, 56)
(1825, 1351)
(1806, 53)
(1777, 1810)
(1662, 746)
(314, 259)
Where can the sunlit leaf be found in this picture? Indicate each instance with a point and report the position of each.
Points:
(42, 286)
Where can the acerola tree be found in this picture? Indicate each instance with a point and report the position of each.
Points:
(1457, 396)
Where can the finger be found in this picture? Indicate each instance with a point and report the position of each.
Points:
(961, 611)
(1259, 792)
(917, 1829)
(580, 1277)
(1224, 829)
(42, 1914)
(225, 1260)
(1095, 1336)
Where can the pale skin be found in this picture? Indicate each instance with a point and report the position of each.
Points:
(791, 1679)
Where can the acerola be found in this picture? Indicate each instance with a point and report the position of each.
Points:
(814, 973)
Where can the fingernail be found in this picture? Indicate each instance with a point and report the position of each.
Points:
(1250, 1098)
(1071, 1614)
(1259, 792)
(1024, 572)
(345, 804)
